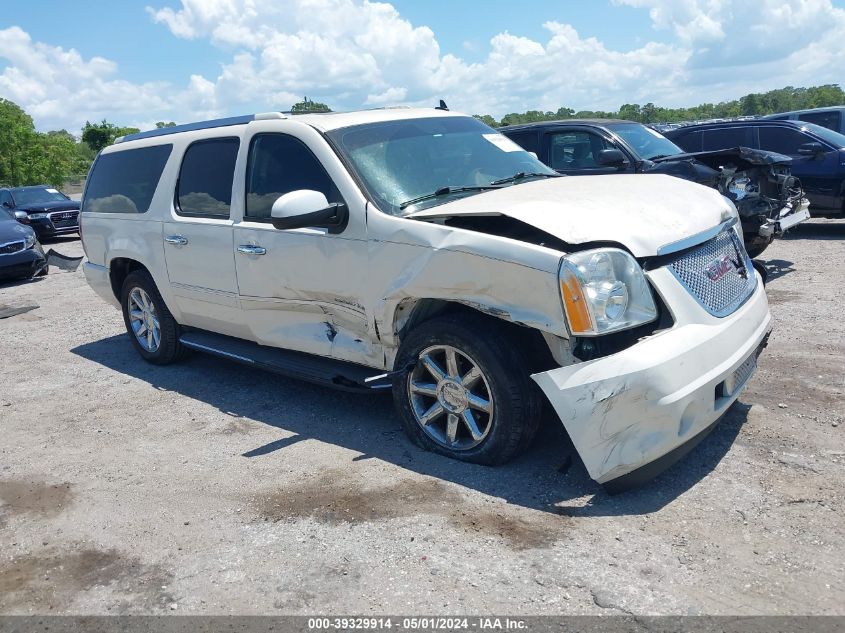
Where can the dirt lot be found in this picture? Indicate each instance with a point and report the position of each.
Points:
(210, 488)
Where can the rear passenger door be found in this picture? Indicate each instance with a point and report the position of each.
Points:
(197, 237)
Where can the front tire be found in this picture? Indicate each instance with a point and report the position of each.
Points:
(469, 394)
(152, 329)
(757, 245)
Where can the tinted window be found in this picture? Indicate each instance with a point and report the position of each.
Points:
(6, 198)
(279, 164)
(829, 119)
(124, 182)
(205, 179)
(782, 140)
(725, 138)
(576, 150)
(688, 141)
(526, 140)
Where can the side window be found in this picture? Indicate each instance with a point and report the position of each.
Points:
(726, 138)
(830, 119)
(526, 140)
(205, 178)
(688, 141)
(576, 150)
(279, 164)
(782, 140)
(6, 199)
(125, 181)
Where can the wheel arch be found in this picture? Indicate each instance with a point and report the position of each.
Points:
(411, 313)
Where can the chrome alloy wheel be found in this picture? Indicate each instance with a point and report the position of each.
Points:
(144, 320)
(450, 398)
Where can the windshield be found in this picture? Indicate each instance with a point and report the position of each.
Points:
(35, 195)
(834, 138)
(645, 142)
(400, 161)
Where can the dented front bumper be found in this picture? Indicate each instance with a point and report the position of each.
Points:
(634, 413)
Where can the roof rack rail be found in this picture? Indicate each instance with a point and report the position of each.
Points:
(201, 125)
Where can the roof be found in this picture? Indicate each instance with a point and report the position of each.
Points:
(755, 122)
(808, 110)
(537, 124)
(323, 121)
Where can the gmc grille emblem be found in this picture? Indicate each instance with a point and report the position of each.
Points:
(719, 268)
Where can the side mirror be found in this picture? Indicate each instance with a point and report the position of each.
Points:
(811, 149)
(8, 205)
(611, 158)
(21, 216)
(306, 208)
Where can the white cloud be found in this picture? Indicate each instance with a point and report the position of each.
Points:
(354, 53)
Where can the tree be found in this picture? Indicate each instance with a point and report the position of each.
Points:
(161, 124)
(487, 119)
(306, 105)
(17, 141)
(100, 135)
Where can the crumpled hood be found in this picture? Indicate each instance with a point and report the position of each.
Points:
(640, 211)
(44, 207)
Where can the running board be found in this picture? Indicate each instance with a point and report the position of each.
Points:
(299, 365)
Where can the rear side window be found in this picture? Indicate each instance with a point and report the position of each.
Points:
(726, 138)
(279, 164)
(205, 178)
(782, 140)
(529, 141)
(830, 119)
(124, 182)
(687, 141)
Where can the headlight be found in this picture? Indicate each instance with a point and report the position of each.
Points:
(604, 290)
(39, 216)
(29, 240)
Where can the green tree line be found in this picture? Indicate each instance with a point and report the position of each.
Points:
(781, 100)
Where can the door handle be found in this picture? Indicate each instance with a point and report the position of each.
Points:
(250, 249)
(177, 240)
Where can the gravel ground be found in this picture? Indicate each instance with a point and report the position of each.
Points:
(208, 488)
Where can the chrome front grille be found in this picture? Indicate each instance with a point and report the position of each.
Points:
(718, 273)
(11, 247)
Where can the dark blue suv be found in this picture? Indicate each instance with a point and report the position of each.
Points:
(818, 154)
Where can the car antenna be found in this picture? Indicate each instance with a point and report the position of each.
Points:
(442, 106)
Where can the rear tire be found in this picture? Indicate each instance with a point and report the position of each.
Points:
(152, 329)
(469, 395)
(43, 272)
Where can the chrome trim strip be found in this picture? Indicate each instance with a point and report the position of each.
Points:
(205, 348)
(695, 240)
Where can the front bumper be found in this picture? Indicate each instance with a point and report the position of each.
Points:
(23, 264)
(787, 218)
(45, 228)
(627, 411)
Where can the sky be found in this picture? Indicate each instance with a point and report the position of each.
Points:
(135, 63)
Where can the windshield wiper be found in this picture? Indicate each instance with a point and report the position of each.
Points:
(445, 191)
(520, 175)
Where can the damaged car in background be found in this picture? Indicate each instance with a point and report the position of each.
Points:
(421, 251)
(768, 198)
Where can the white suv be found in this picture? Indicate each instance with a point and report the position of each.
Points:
(422, 251)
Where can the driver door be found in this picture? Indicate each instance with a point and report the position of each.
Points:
(300, 288)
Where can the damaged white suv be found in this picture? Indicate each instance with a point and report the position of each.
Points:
(422, 251)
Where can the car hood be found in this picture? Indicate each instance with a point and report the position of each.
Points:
(47, 207)
(12, 231)
(715, 158)
(642, 212)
